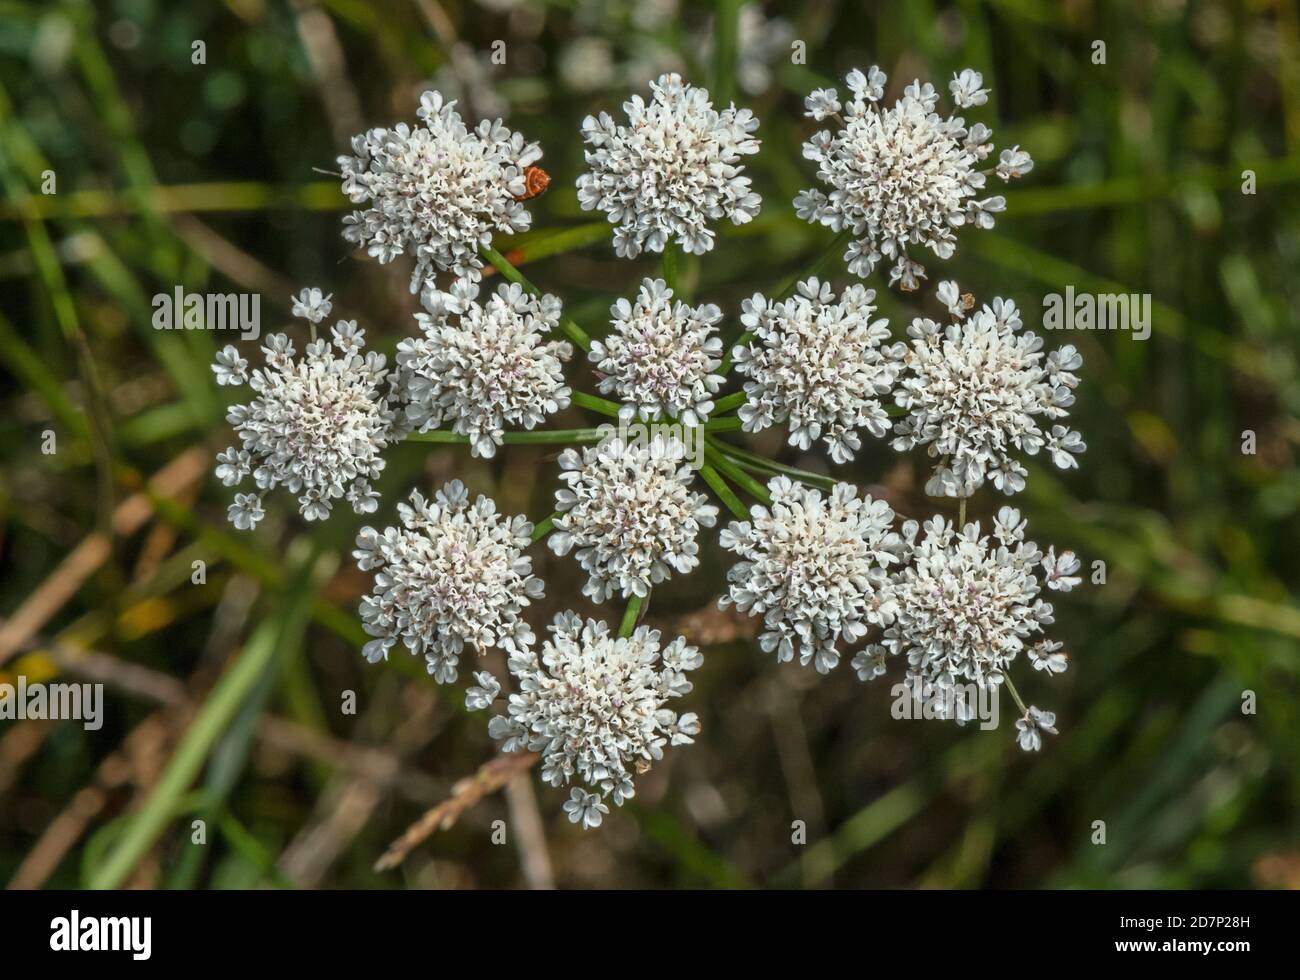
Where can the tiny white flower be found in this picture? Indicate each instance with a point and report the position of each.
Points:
(1063, 445)
(246, 511)
(874, 89)
(484, 693)
(585, 808)
(312, 305)
(363, 497)
(230, 368)
(1060, 571)
(1030, 728)
(347, 336)
(233, 466)
(924, 94)
(684, 730)
(949, 294)
(822, 103)
(965, 89)
(1013, 163)
(869, 663)
(1047, 656)
(980, 213)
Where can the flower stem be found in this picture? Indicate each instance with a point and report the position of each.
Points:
(542, 437)
(595, 403)
(503, 266)
(961, 514)
(724, 492)
(735, 474)
(668, 266)
(630, 617)
(542, 528)
(726, 39)
(729, 424)
(727, 402)
(549, 244)
(1015, 695)
(753, 461)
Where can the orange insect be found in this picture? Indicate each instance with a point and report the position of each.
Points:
(536, 180)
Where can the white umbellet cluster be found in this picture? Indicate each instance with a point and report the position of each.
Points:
(671, 171)
(660, 357)
(902, 175)
(482, 368)
(976, 389)
(815, 567)
(966, 607)
(595, 706)
(317, 425)
(454, 574)
(436, 192)
(629, 509)
(821, 363)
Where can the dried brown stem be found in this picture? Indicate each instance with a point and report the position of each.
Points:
(489, 778)
(84, 560)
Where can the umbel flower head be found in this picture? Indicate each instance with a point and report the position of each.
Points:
(316, 424)
(902, 175)
(453, 574)
(815, 567)
(629, 509)
(822, 364)
(660, 357)
(977, 390)
(595, 706)
(671, 171)
(483, 368)
(438, 191)
(967, 604)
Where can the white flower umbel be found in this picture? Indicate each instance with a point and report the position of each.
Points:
(436, 192)
(629, 509)
(822, 364)
(595, 706)
(483, 368)
(660, 357)
(317, 424)
(671, 171)
(454, 574)
(815, 568)
(902, 175)
(977, 390)
(967, 604)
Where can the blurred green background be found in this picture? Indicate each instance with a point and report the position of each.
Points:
(225, 699)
